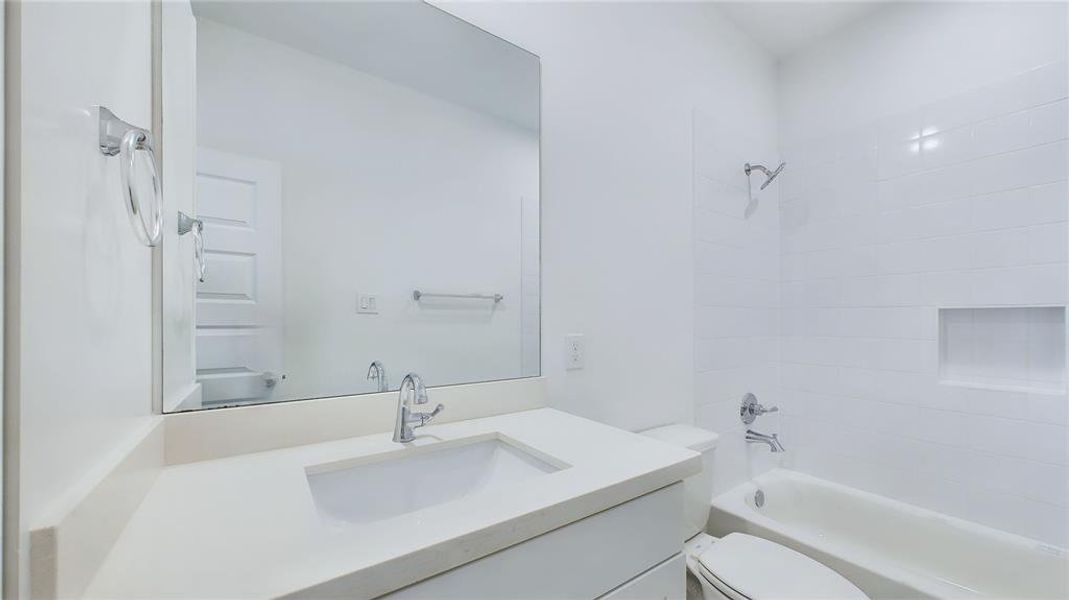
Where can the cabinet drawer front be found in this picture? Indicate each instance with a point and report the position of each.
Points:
(585, 559)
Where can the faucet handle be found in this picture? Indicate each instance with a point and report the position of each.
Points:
(750, 409)
(421, 419)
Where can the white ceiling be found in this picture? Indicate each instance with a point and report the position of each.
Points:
(408, 42)
(786, 27)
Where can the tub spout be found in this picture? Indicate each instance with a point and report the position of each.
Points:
(755, 437)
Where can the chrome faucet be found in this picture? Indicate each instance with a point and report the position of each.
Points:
(406, 419)
(748, 413)
(378, 372)
(754, 437)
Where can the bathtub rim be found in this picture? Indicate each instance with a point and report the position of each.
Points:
(866, 571)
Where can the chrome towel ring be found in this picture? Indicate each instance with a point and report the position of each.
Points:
(117, 137)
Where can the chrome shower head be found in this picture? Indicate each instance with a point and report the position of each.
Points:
(769, 175)
(774, 174)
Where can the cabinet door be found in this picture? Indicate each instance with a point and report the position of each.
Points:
(666, 581)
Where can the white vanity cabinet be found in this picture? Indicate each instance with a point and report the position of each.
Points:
(629, 551)
(604, 524)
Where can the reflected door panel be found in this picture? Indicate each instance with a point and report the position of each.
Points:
(239, 337)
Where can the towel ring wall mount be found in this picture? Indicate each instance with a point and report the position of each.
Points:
(119, 138)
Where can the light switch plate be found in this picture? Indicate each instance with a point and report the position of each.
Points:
(367, 304)
(574, 351)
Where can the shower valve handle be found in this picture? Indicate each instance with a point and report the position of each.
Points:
(750, 409)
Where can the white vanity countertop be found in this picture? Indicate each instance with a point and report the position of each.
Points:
(246, 526)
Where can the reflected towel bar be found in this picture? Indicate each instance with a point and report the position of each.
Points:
(417, 295)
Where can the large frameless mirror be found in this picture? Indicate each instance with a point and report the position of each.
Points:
(352, 193)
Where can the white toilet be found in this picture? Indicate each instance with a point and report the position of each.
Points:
(740, 566)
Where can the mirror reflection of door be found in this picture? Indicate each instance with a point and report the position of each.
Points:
(239, 305)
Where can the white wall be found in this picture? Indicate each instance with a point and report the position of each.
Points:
(385, 190)
(79, 358)
(927, 169)
(620, 84)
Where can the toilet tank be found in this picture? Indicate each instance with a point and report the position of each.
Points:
(697, 489)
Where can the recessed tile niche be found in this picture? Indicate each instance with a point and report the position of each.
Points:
(1018, 348)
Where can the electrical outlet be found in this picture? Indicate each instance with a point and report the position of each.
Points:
(574, 351)
(367, 304)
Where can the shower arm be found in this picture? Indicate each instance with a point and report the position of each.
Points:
(769, 175)
(751, 168)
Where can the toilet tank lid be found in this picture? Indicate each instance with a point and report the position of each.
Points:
(686, 436)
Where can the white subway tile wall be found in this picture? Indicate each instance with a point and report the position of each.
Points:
(960, 204)
(736, 287)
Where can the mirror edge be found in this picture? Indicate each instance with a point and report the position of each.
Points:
(156, 58)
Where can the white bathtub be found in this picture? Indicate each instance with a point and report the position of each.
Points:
(891, 549)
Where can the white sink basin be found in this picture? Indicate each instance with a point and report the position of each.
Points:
(409, 480)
